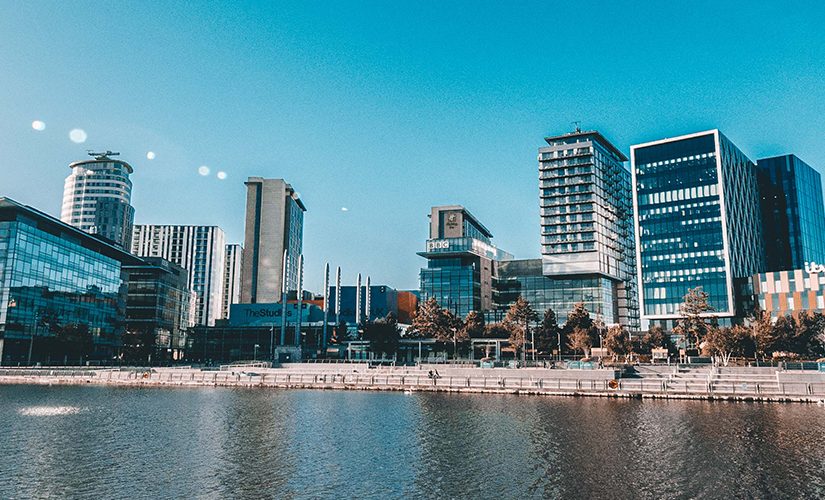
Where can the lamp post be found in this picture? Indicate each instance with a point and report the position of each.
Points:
(255, 352)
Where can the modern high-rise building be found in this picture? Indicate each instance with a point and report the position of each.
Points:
(461, 260)
(698, 224)
(587, 239)
(232, 278)
(793, 216)
(198, 249)
(274, 223)
(97, 198)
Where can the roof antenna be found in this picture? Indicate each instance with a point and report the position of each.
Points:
(577, 125)
(101, 155)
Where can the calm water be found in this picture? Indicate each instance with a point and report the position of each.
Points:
(94, 442)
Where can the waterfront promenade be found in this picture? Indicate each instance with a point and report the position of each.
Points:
(670, 382)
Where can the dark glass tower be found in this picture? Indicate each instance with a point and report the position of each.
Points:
(698, 222)
(793, 216)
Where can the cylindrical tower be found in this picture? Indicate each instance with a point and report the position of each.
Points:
(97, 198)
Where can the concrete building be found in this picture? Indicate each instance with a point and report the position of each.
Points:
(62, 298)
(274, 223)
(198, 249)
(461, 260)
(793, 214)
(587, 227)
(698, 224)
(232, 278)
(97, 198)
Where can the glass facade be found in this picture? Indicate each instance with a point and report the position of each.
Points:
(586, 218)
(61, 294)
(792, 212)
(698, 221)
(157, 309)
(525, 278)
(454, 282)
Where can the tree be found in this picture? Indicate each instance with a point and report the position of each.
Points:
(692, 326)
(383, 335)
(761, 332)
(617, 342)
(722, 343)
(474, 325)
(548, 332)
(782, 333)
(655, 338)
(451, 329)
(807, 337)
(580, 325)
(496, 331)
(519, 317)
(428, 321)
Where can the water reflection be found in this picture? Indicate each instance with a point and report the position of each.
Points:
(247, 443)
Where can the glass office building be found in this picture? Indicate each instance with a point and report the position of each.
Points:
(61, 293)
(792, 212)
(524, 278)
(586, 224)
(461, 261)
(697, 221)
(157, 310)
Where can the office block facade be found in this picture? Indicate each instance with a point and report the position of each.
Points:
(793, 216)
(232, 278)
(97, 198)
(586, 223)
(461, 260)
(62, 298)
(198, 249)
(698, 223)
(274, 223)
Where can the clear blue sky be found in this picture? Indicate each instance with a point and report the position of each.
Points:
(387, 108)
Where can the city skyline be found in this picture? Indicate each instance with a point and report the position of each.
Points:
(350, 104)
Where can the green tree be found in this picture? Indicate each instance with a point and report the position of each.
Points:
(519, 317)
(692, 325)
(548, 332)
(383, 335)
(617, 342)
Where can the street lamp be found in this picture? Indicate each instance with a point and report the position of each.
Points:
(255, 352)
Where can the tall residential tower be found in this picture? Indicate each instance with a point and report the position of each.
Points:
(97, 198)
(232, 277)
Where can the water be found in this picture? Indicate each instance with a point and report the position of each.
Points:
(105, 442)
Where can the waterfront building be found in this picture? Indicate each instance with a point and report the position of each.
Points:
(198, 249)
(274, 223)
(382, 301)
(157, 311)
(461, 260)
(587, 244)
(698, 224)
(793, 216)
(61, 294)
(790, 292)
(97, 198)
(253, 333)
(407, 305)
(232, 278)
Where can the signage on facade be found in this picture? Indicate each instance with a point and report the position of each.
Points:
(437, 245)
(814, 268)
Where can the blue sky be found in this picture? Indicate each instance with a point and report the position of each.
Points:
(387, 108)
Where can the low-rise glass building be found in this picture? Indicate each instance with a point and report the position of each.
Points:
(62, 298)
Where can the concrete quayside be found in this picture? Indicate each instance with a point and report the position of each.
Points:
(645, 381)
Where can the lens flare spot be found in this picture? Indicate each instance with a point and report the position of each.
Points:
(221, 175)
(39, 125)
(150, 155)
(344, 209)
(203, 170)
(78, 135)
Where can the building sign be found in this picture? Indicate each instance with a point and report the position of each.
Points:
(268, 314)
(814, 268)
(437, 245)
